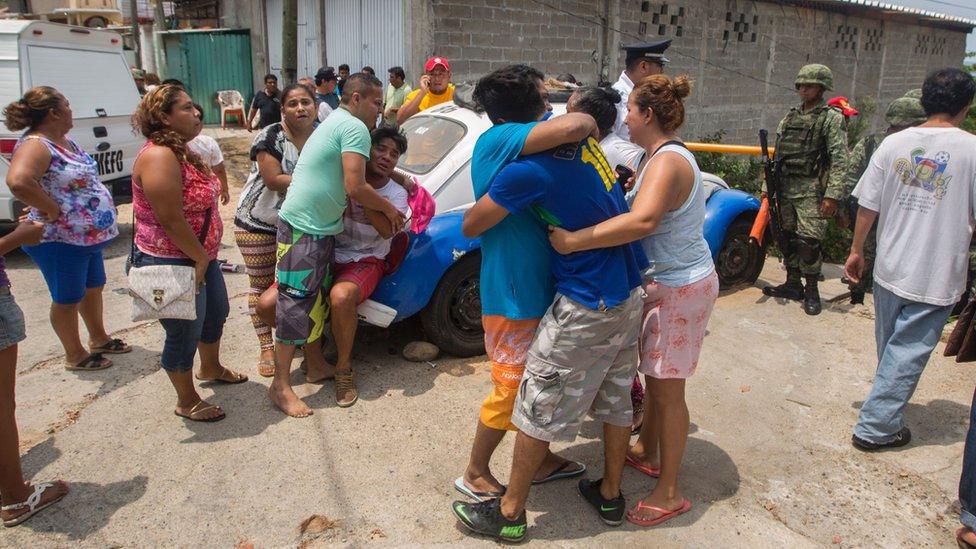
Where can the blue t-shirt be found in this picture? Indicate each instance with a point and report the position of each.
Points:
(516, 278)
(573, 187)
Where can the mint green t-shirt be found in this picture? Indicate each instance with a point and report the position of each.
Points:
(316, 196)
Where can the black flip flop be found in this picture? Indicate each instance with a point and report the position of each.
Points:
(477, 496)
(91, 363)
(561, 472)
(112, 347)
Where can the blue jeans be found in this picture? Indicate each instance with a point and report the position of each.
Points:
(182, 336)
(967, 483)
(906, 332)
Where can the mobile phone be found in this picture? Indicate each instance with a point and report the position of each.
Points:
(623, 174)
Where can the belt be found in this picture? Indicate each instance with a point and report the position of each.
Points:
(4, 290)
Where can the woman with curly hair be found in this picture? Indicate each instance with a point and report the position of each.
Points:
(59, 183)
(174, 199)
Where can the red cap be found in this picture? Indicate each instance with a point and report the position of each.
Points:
(434, 61)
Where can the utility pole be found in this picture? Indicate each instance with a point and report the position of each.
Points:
(159, 25)
(289, 41)
(134, 16)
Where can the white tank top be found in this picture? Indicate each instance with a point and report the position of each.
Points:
(677, 250)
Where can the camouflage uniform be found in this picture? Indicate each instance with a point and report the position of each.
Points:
(811, 147)
(901, 113)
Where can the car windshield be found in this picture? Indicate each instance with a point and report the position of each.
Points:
(429, 140)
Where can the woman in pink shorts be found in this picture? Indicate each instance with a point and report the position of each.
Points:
(668, 216)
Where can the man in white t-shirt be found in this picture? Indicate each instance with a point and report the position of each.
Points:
(362, 246)
(921, 186)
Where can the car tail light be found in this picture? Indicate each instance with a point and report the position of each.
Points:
(115, 40)
(7, 148)
(38, 32)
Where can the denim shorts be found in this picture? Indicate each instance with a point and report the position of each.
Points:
(69, 270)
(12, 329)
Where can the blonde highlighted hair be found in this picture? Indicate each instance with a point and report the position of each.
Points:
(148, 120)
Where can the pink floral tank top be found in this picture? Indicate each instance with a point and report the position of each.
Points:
(200, 192)
(87, 211)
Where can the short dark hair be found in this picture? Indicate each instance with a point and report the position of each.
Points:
(398, 72)
(947, 91)
(600, 103)
(511, 94)
(359, 83)
(390, 132)
(368, 70)
(632, 61)
(173, 82)
(343, 67)
(324, 75)
(270, 76)
(292, 87)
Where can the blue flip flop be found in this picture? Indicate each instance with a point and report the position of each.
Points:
(561, 472)
(477, 496)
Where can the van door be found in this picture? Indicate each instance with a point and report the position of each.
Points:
(103, 97)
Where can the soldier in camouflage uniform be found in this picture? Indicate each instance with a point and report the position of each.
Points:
(914, 94)
(902, 113)
(811, 147)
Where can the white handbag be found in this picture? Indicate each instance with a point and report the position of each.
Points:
(163, 291)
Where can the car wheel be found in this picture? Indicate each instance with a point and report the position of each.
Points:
(452, 319)
(739, 261)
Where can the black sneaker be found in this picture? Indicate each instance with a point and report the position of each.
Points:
(486, 518)
(611, 511)
(902, 438)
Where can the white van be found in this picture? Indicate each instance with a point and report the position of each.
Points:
(88, 67)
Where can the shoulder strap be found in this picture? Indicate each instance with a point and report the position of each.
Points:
(671, 142)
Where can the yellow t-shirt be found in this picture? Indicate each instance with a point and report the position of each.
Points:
(431, 99)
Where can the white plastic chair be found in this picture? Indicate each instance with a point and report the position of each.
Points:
(231, 104)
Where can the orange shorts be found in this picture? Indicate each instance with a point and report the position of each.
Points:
(507, 343)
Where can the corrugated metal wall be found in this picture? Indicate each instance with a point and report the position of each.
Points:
(309, 34)
(365, 32)
(208, 62)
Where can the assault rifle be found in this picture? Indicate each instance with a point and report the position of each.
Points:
(771, 169)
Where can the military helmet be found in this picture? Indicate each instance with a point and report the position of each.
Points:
(904, 112)
(815, 74)
(914, 94)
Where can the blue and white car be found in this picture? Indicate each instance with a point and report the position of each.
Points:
(439, 276)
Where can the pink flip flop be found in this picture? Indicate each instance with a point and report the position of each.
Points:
(653, 472)
(668, 513)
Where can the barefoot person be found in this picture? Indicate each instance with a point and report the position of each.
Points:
(681, 284)
(584, 354)
(19, 499)
(274, 154)
(59, 182)
(331, 166)
(174, 199)
(516, 282)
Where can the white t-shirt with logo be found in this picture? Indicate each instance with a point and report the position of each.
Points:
(207, 148)
(922, 183)
(358, 239)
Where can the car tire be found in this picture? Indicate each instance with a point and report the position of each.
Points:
(739, 261)
(452, 319)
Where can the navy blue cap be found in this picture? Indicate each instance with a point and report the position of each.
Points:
(651, 50)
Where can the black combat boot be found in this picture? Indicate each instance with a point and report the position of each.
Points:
(857, 296)
(811, 297)
(792, 289)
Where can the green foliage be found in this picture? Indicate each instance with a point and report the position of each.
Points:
(857, 127)
(740, 172)
(969, 124)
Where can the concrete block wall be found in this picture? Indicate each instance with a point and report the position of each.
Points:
(742, 54)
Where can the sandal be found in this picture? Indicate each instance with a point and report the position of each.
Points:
(197, 411)
(112, 347)
(33, 503)
(667, 515)
(91, 363)
(963, 544)
(653, 472)
(266, 368)
(227, 376)
(460, 486)
(561, 472)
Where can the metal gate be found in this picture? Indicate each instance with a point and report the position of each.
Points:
(309, 36)
(208, 62)
(364, 32)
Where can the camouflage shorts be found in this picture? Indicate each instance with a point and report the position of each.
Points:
(581, 360)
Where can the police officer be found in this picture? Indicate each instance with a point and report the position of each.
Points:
(902, 113)
(811, 146)
(643, 59)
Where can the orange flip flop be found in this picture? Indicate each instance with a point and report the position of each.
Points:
(653, 472)
(668, 513)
